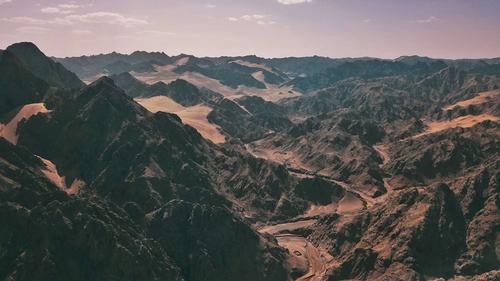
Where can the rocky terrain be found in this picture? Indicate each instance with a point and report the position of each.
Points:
(270, 169)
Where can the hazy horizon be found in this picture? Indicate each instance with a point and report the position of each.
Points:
(386, 29)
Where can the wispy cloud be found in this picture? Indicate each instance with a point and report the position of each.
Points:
(55, 10)
(210, 6)
(106, 18)
(24, 20)
(430, 19)
(293, 2)
(63, 9)
(5, 1)
(256, 18)
(90, 18)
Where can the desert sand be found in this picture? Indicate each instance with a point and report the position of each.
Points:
(195, 116)
(9, 130)
(463, 122)
(479, 99)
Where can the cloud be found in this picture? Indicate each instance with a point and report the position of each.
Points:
(96, 17)
(258, 19)
(63, 9)
(210, 6)
(107, 18)
(69, 6)
(32, 30)
(54, 10)
(24, 20)
(293, 2)
(5, 1)
(430, 19)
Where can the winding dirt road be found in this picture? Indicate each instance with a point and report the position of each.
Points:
(303, 254)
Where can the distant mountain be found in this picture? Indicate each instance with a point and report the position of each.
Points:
(43, 67)
(365, 69)
(114, 63)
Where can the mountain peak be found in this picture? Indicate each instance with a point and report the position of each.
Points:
(43, 67)
(25, 47)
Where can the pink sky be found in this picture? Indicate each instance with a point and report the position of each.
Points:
(268, 28)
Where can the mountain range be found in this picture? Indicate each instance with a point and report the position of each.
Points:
(155, 167)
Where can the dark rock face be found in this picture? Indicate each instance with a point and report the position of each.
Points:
(215, 241)
(179, 90)
(449, 153)
(44, 68)
(18, 85)
(50, 235)
(184, 93)
(249, 118)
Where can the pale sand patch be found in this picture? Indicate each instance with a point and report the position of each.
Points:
(319, 210)
(289, 226)
(182, 61)
(195, 116)
(479, 99)
(9, 130)
(349, 204)
(463, 122)
(160, 103)
(52, 174)
(286, 158)
(254, 65)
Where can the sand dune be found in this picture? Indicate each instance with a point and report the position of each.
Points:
(195, 116)
(9, 130)
(479, 99)
(289, 226)
(463, 122)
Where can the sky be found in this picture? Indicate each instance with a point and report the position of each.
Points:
(267, 28)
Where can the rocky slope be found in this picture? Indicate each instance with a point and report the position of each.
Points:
(138, 162)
